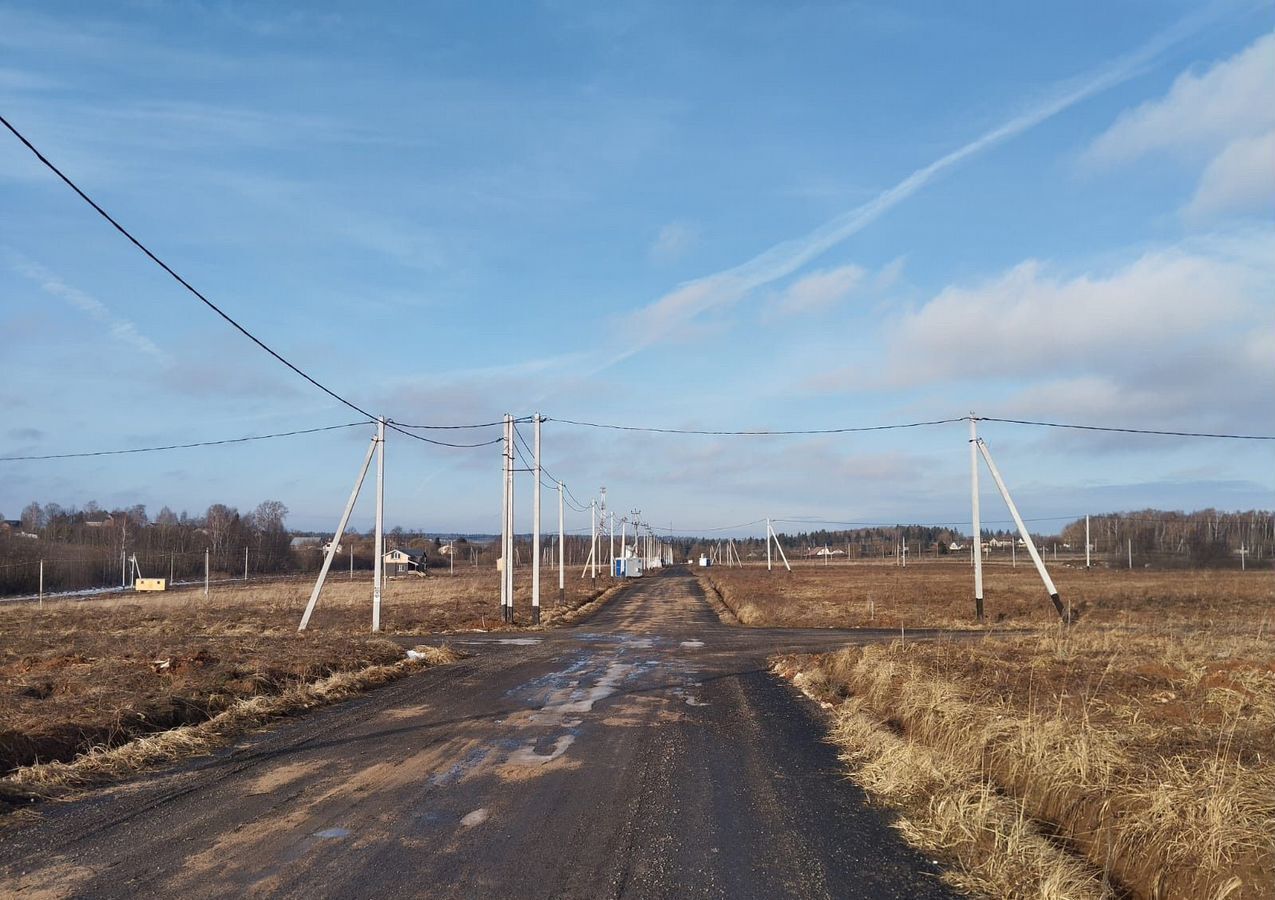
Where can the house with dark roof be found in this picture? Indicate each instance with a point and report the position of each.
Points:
(400, 562)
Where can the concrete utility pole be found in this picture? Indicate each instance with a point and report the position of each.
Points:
(593, 546)
(206, 570)
(562, 548)
(245, 563)
(977, 525)
(336, 539)
(1086, 542)
(769, 567)
(41, 584)
(379, 566)
(611, 514)
(506, 525)
(782, 555)
(535, 538)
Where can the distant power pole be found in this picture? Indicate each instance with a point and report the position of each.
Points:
(593, 537)
(535, 515)
(977, 526)
(562, 548)
(379, 565)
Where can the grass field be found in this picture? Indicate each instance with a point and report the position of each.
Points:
(1132, 754)
(941, 595)
(82, 674)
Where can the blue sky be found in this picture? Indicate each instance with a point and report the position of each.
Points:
(716, 215)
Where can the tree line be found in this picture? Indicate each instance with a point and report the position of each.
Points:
(92, 547)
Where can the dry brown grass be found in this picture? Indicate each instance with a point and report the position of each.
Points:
(89, 675)
(1133, 753)
(1147, 755)
(940, 595)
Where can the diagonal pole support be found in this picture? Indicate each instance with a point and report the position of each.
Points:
(1023, 533)
(340, 532)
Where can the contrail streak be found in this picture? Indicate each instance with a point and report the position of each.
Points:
(672, 311)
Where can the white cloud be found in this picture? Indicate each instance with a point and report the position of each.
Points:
(1239, 179)
(1181, 334)
(670, 313)
(1028, 322)
(819, 290)
(673, 242)
(1201, 112)
(1224, 115)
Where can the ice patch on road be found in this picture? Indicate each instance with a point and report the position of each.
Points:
(527, 756)
(477, 817)
(520, 642)
(333, 833)
(692, 644)
(581, 701)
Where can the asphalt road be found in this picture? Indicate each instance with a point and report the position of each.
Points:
(646, 752)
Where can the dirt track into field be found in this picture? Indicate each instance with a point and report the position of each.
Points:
(646, 752)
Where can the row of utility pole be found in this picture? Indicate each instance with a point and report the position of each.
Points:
(644, 536)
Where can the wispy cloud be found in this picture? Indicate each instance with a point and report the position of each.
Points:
(673, 242)
(674, 310)
(1222, 114)
(119, 328)
(819, 290)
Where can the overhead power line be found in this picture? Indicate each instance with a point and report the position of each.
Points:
(569, 497)
(756, 433)
(239, 440)
(180, 280)
(394, 426)
(457, 427)
(1193, 434)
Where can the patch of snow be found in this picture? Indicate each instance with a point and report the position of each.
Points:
(477, 817)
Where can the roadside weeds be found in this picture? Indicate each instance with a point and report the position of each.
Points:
(1051, 766)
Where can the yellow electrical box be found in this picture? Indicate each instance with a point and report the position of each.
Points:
(150, 584)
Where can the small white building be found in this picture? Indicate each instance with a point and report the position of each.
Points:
(628, 567)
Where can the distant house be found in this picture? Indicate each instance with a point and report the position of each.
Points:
(997, 543)
(11, 525)
(820, 552)
(99, 520)
(400, 562)
(954, 547)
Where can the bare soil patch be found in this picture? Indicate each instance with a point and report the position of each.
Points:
(93, 674)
